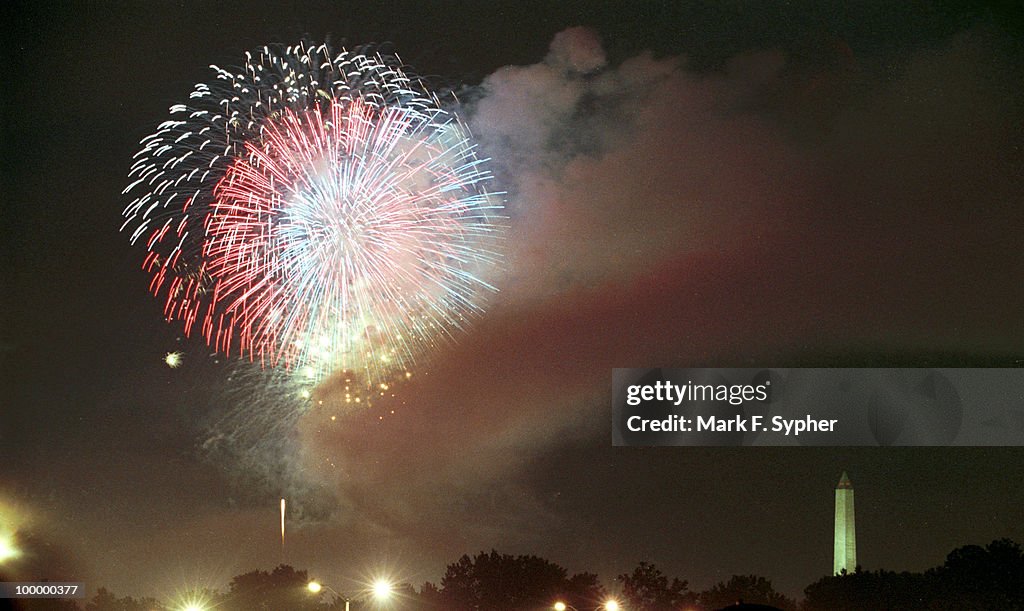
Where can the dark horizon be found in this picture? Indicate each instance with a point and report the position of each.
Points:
(981, 576)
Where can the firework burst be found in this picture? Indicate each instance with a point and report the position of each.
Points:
(315, 210)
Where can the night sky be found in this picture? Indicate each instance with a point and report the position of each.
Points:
(732, 184)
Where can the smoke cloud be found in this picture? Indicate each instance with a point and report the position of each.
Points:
(666, 217)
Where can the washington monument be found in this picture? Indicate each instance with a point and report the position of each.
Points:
(845, 557)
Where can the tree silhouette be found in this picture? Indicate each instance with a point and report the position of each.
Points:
(105, 600)
(982, 578)
(870, 590)
(972, 578)
(493, 581)
(584, 591)
(282, 588)
(648, 589)
(745, 588)
(429, 597)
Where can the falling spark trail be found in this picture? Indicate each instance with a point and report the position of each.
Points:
(282, 525)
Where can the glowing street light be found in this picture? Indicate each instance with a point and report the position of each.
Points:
(192, 600)
(382, 589)
(7, 549)
(609, 605)
(315, 587)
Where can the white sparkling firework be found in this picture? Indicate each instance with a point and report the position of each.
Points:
(318, 211)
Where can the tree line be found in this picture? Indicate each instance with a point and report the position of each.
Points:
(971, 578)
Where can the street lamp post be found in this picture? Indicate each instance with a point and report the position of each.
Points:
(316, 586)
